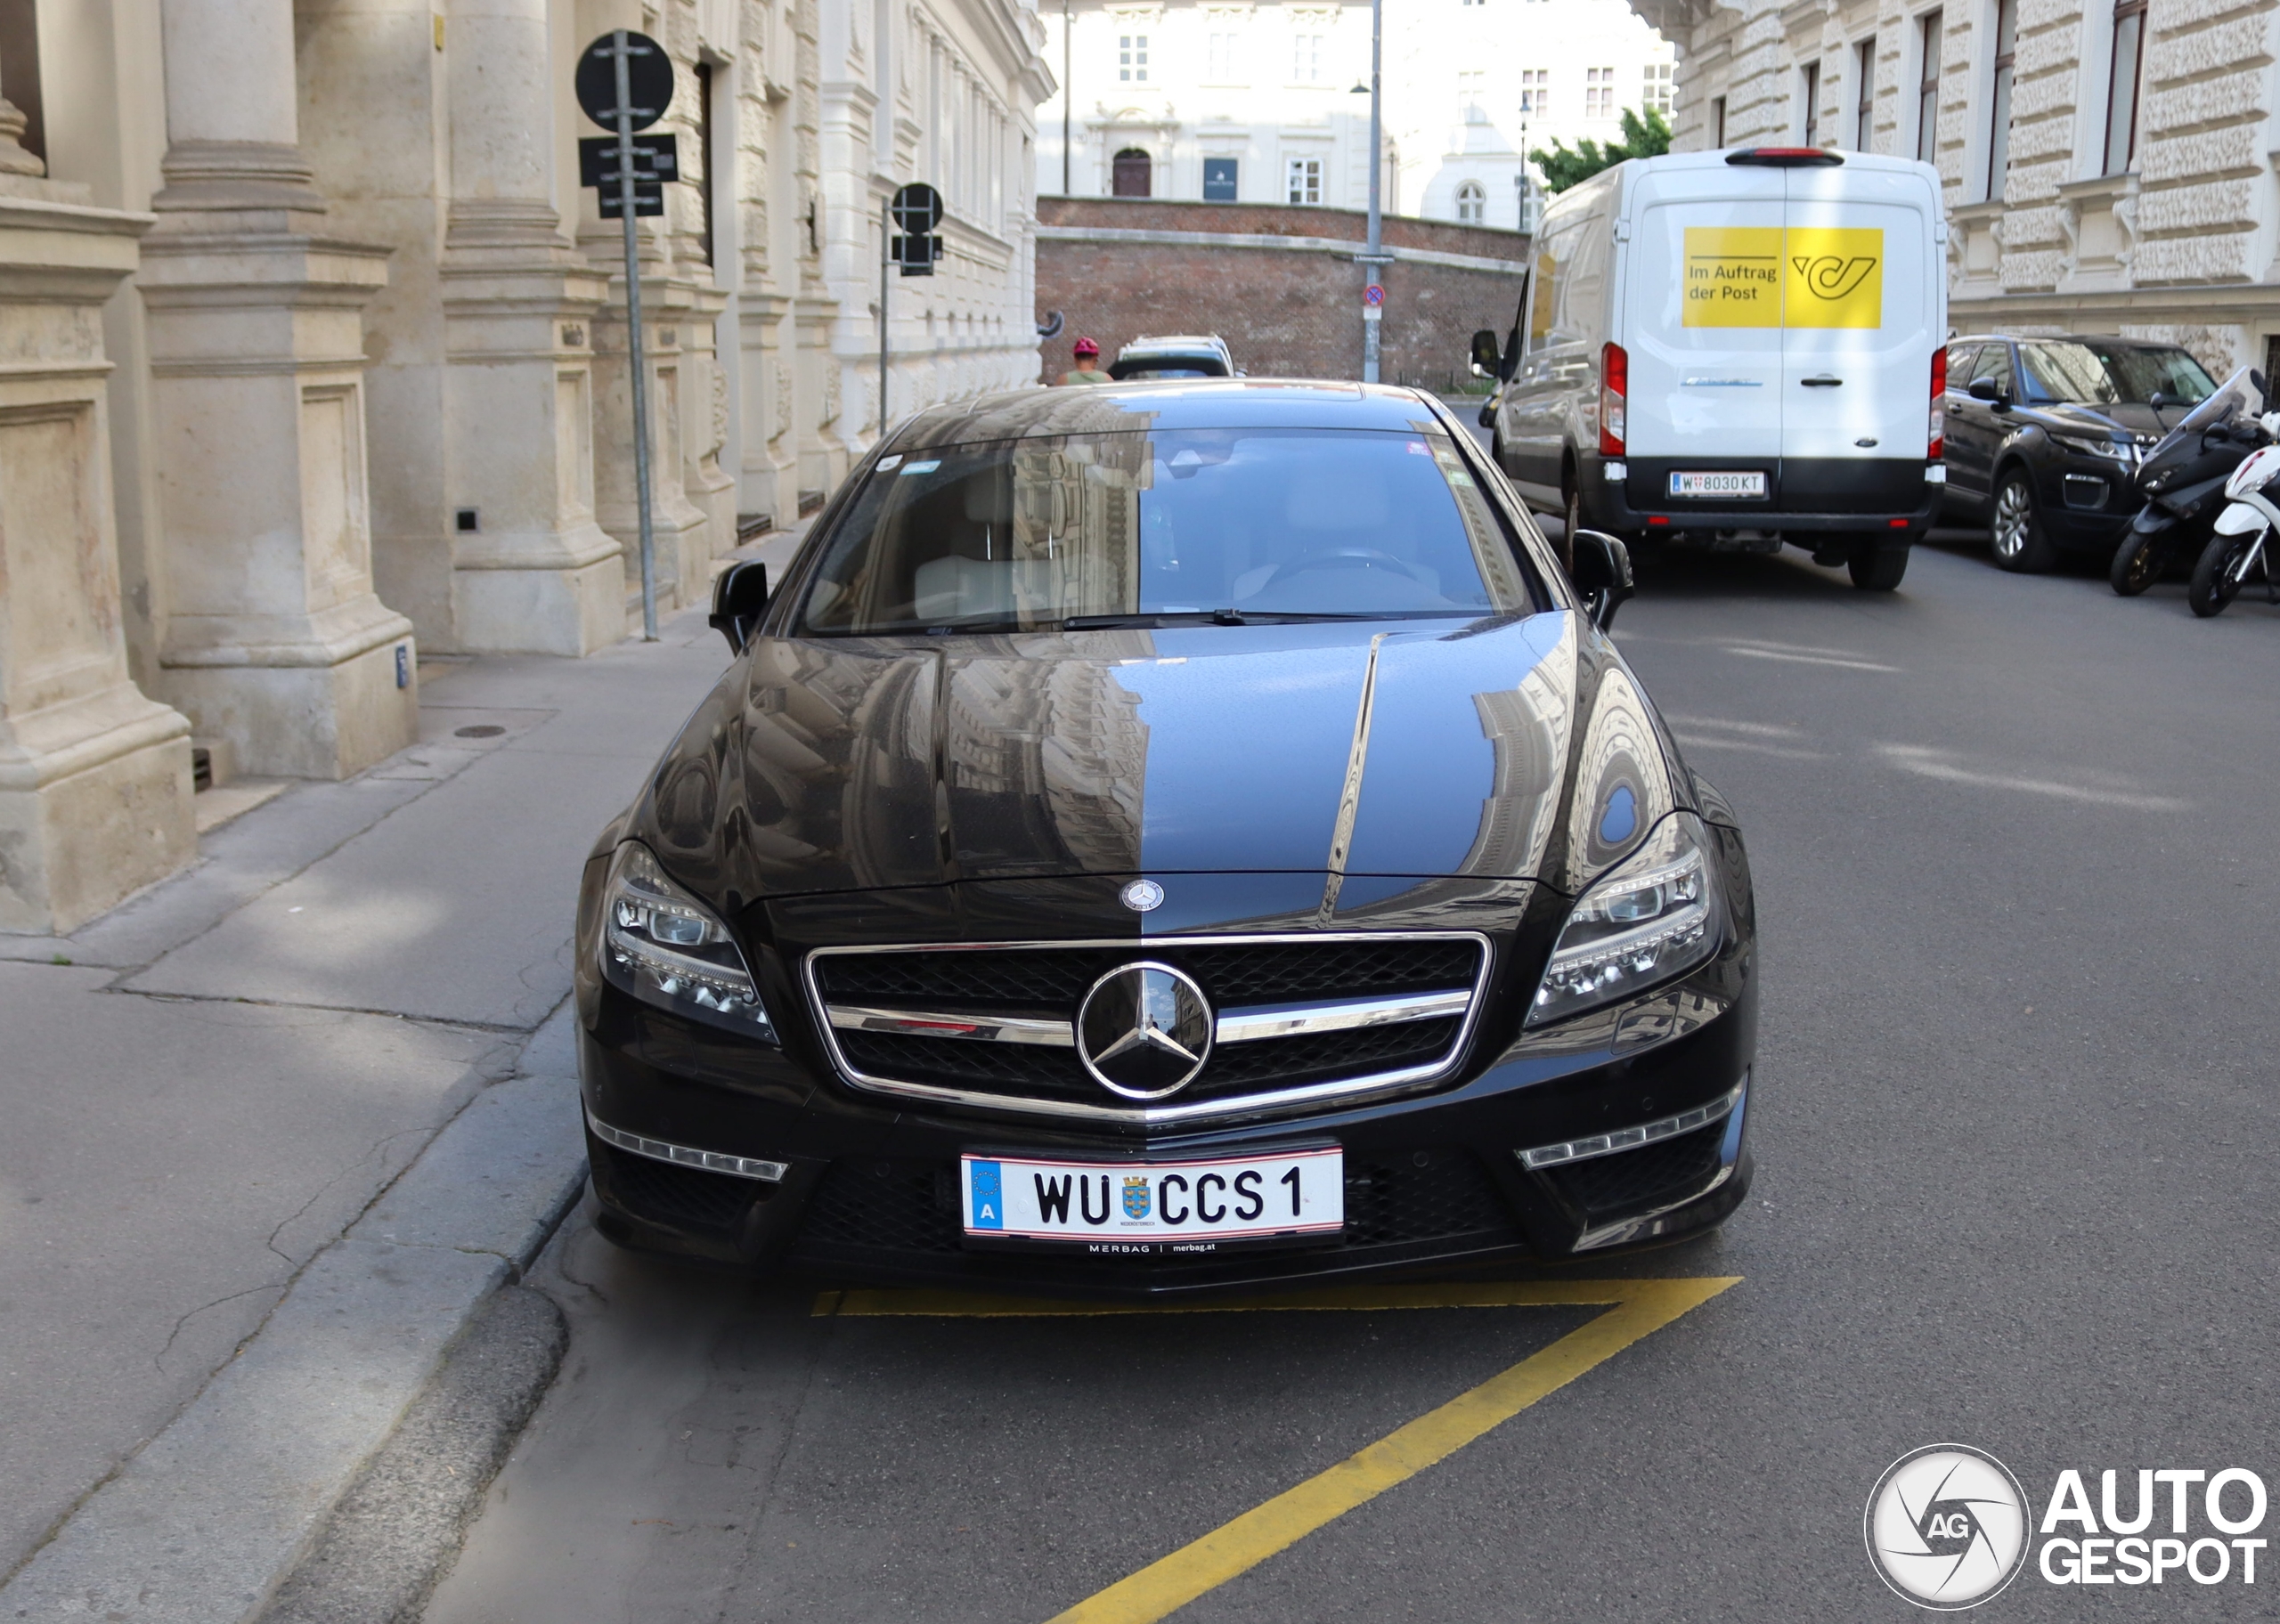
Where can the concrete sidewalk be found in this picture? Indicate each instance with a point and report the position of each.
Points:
(280, 1125)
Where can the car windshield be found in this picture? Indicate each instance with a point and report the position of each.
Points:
(1142, 528)
(2109, 374)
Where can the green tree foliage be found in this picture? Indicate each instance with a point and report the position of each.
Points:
(1647, 137)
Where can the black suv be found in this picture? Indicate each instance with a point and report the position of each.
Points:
(2044, 436)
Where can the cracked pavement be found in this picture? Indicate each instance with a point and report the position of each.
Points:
(209, 1086)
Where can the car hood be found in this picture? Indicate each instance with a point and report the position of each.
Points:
(1395, 749)
(2102, 421)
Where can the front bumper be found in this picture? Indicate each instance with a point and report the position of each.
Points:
(869, 1187)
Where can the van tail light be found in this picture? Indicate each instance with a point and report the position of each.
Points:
(1937, 439)
(1614, 383)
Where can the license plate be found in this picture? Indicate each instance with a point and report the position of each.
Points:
(1154, 1208)
(1750, 484)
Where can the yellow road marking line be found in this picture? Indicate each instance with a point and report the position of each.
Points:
(1490, 1293)
(1641, 1307)
(1635, 1309)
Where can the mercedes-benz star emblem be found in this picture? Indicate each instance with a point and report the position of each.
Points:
(1142, 895)
(1143, 1031)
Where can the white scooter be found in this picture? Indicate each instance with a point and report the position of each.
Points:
(2245, 530)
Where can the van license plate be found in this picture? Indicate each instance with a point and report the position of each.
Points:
(1154, 1208)
(1718, 484)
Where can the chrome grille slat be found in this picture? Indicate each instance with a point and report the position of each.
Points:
(1249, 1026)
(923, 1019)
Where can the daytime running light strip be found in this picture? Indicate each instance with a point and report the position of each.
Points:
(1631, 1138)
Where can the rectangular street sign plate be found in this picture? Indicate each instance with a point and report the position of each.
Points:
(655, 158)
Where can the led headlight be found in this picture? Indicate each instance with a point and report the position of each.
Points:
(1653, 916)
(2093, 447)
(666, 949)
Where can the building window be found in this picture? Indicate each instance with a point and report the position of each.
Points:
(1535, 93)
(1927, 90)
(1864, 91)
(1655, 94)
(1132, 59)
(1999, 105)
(1306, 58)
(1717, 121)
(1809, 84)
(1224, 63)
(1305, 175)
(1472, 95)
(1472, 205)
(2122, 85)
(1218, 179)
(1134, 174)
(1598, 93)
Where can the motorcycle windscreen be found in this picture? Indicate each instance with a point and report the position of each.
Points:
(1704, 307)
(1857, 306)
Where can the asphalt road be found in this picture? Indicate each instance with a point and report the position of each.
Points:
(2015, 1123)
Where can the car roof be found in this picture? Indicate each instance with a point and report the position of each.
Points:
(2119, 343)
(1202, 402)
(1147, 343)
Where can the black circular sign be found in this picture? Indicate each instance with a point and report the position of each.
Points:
(917, 209)
(649, 78)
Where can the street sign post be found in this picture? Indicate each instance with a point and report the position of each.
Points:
(909, 242)
(625, 81)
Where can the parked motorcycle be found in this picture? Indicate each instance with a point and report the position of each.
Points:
(2182, 481)
(2242, 545)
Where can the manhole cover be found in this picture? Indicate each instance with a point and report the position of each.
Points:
(481, 730)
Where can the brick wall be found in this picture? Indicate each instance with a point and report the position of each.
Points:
(1292, 311)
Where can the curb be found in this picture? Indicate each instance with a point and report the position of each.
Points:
(208, 1519)
(387, 1541)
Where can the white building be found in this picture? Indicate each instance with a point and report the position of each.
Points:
(1255, 103)
(2108, 166)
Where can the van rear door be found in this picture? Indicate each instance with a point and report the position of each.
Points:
(1702, 331)
(1858, 331)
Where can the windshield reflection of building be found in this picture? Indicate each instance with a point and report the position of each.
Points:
(1044, 754)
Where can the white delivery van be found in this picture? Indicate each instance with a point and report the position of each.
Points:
(1740, 347)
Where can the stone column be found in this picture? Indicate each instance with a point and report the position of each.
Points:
(275, 640)
(95, 777)
(537, 574)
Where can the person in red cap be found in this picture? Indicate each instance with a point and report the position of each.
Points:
(1089, 365)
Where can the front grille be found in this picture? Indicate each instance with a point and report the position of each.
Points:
(1040, 983)
(1631, 1181)
(869, 1207)
(679, 1197)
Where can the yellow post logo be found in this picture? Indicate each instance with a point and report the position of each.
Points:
(1764, 276)
(1835, 277)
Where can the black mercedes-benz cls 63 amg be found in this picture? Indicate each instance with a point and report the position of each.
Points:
(1162, 837)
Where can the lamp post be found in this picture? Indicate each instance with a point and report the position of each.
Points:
(1375, 256)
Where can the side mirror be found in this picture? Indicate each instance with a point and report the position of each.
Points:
(1984, 389)
(2159, 399)
(738, 597)
(1601, 572)
(1485, 353)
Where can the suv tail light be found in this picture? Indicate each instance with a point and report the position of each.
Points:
(1937, 437)
(1614, 383)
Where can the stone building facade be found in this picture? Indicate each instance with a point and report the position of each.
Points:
(1280, 284)
(316, 357)
(2108, 166)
